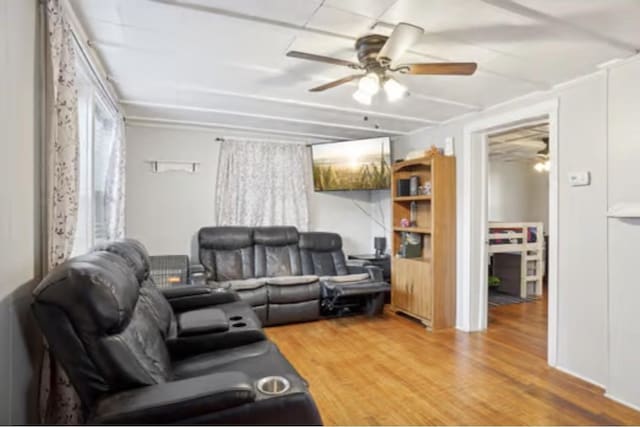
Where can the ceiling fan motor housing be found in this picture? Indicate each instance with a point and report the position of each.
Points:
(368, 47)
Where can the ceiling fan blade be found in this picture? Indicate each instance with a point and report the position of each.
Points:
(335, 83)
(402, 38)
(440, 68)
(320, 58)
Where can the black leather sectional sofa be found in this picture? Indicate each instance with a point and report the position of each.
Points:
(187, 354)
(287, 276)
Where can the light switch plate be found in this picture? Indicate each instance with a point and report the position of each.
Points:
(579, 179)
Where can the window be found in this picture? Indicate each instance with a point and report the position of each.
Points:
(97, 133)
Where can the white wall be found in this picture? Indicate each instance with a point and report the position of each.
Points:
(624, 234)
(583, 313)
(166, 210)
(19, 252)
(517, 193)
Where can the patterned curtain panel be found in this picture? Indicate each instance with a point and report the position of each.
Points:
(115, 187)
(262, 183)
(58, 401)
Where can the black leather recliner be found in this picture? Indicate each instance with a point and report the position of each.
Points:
(205, 318)
(344, 284)
(263, 265)
(292, 297)
(228, 256)
(111, 339)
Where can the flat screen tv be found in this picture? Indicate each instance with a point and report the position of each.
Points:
(352, 165)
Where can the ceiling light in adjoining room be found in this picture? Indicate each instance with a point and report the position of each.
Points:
(362, 97)
(394, 90)
(542, 166)
(370, 84)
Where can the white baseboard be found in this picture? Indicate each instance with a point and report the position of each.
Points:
(597, 384)
(622, 402)
(583, 378)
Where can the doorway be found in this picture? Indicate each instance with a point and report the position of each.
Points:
(518, 219)
(472, 270)
(518, 214)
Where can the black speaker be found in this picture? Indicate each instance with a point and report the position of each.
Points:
(404, 188)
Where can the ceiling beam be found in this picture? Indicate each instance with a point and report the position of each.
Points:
(561, 24)
(261, 116)
(257, 130)
(288, 101)
(287, 25)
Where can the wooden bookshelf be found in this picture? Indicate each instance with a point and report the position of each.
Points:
(424, 287)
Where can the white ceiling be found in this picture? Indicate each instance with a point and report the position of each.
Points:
(522, 144)
(222, 63)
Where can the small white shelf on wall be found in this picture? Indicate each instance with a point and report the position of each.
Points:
(162, 166)
(624, 210)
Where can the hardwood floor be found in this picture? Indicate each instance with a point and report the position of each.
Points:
(390, 371)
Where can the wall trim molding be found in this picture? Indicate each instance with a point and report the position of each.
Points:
(383, 132)
(222, 131)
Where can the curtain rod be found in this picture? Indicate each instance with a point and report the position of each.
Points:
(257, 139)
(79, 37)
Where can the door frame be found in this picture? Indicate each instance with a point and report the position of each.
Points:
(472, 277)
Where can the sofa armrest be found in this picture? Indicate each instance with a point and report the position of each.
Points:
(197, 275)
(175, 401)
(375, 272)
(191, 297)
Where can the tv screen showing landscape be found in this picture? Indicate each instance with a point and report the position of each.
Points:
(352, 165)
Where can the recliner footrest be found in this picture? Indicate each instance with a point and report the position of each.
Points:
(361, 288)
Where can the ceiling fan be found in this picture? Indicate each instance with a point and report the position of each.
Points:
(377, 56)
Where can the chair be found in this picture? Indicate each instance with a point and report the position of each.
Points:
(228, 256)
(106, 335)
(292, 297)
(193, 318)
(345, 286)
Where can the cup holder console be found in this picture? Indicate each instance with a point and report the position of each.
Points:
(273, 385)
(238, 324)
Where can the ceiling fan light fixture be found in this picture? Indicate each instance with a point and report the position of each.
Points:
(362, 97)
(369, 83)
(394, 90)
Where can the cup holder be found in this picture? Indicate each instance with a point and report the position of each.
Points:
(238, 324)
(235, 318)
(273, 385)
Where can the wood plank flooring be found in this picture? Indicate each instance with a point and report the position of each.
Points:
(390, 371)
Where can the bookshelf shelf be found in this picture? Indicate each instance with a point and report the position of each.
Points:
(411, 198)
(420, 230)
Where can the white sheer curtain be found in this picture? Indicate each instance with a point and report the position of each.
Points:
(263, 183)
(58, 401)
(115, 186)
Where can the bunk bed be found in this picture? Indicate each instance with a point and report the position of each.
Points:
(527, 240)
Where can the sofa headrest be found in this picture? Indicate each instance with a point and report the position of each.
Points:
(97, 291)
(225, 238)
(132, 251)
(275, 236)
(320, 241)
